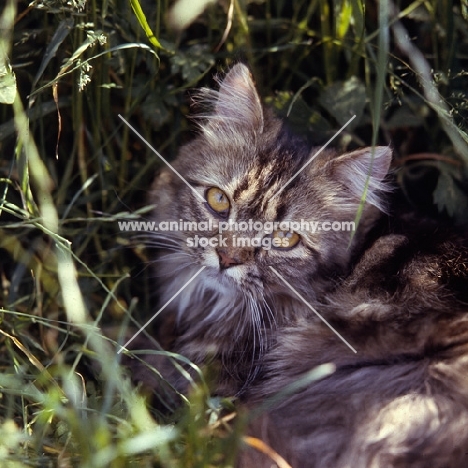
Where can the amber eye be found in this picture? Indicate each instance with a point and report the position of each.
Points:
(218, 201)
(284, 239)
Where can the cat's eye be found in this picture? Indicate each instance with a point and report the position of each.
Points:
(284, 239)
(218, 201)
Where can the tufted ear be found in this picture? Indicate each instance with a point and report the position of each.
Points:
(238, 103)
(352, 170)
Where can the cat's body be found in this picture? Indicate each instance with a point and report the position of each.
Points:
(402, 399)
(239, 314)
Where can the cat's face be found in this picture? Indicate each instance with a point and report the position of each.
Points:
(238, 165)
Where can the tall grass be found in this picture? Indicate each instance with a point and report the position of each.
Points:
(70, 169)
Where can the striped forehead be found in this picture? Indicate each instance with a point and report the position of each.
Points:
(256, 190)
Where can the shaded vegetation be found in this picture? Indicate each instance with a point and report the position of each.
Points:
(70, 168)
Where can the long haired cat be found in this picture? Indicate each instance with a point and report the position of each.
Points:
(230, 313)
(395, 290)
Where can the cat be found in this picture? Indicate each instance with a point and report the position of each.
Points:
(393, 291)
(229, 314)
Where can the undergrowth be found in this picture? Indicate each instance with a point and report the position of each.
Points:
(70, 169)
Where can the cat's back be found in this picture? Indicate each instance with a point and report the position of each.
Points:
(402, 399)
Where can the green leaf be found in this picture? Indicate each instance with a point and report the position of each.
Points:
(358, 16)
(464, 9)
(343, 99)
(300, 117)
(192, 64)
(448, 195)
(60, 35)
(73, 63)
(7, 82)
(141, 17)
(344, 16)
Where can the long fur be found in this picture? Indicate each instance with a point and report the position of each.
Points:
(402, 400)
(247, 152)
(396, 295)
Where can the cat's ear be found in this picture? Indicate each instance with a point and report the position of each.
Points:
(354, 169)
(238, 102)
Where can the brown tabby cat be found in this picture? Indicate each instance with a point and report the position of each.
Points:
(398, 298)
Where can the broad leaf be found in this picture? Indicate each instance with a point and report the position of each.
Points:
(344, 99)
(450, 196)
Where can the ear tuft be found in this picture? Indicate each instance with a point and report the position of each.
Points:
(238, 102)
(354, 169)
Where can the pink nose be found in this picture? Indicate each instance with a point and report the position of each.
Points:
(225, 261)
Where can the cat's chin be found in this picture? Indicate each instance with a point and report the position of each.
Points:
(230, 282)
(224, 279)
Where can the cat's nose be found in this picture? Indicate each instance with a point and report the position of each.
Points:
(227, 260)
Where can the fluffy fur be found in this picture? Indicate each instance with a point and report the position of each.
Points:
(397, 294)
(402, 399)
(231, 315)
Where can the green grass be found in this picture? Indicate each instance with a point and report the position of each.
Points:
(70, 169)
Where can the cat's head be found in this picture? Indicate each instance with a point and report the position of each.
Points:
(246, 167)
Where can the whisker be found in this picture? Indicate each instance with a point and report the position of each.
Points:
(171, 255)
(180, 266)
(163, 245)
(269, 313)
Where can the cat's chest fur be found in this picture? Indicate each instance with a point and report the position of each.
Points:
(251, 292)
